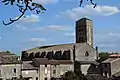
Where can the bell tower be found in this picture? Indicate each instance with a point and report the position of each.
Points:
(84, 31)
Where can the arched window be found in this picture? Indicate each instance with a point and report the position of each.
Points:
(57, 55)
(66, 55)
(49, 55)
(14, 70)
(86, 54)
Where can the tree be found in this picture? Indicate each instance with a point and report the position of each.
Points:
(70, 75)
(103, 56)
(23, 5)
(30, 5)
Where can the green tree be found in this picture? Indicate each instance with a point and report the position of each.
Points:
(30, 5)
(103, 56)
(70, 75)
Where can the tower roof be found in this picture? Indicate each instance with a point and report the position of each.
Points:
(84, 19)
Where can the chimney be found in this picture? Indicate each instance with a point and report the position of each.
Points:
(97, 54)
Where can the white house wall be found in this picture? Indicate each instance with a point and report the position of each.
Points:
(7, 71)
(84, 69)
(30, 73)
(115, 66)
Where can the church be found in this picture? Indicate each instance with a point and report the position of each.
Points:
(45, 62)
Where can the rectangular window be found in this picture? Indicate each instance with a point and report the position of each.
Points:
(36, 78)
(14, 70)
(54, 71)
(45, 78)
(106, 65)
(55, 65)
(45, 65)
(14, 78)
(37, 71)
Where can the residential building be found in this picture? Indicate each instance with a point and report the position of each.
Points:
(110, 67)
(44, 69)
(29, 72)
(10, 66)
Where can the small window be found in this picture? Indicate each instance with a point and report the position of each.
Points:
(106, 65)
(45, 78)
(14, 70)
(37, 71)
(36, 78)
(45, 65)
(14, 78)
(86, 54)
(54, 71)
(55, 65)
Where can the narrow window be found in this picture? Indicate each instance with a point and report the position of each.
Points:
(55, 65)
(45, 65)
(106, 65)
(36, 78)
(45, 78)
(86, 54)
(14, 70)
(37, 71)
(54, 71)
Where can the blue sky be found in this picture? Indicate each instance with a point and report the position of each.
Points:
(57, 25)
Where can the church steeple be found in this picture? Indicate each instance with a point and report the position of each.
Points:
(84, 31)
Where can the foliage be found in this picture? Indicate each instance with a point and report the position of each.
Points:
(70, 75)
(91, 1)
(30, 5)
(23, 5)
(103, 56)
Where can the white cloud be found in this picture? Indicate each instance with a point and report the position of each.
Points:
(21, 27)
(68, 0)
(108, 39)
(53, 28)
(46, 1)
(70, 34)
(56, 27)
(37, 40)
(88, 10)
(30, 19)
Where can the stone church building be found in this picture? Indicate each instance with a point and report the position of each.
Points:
(45, 62)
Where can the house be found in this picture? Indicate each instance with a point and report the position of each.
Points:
(10, 66)
(110, 67)
(29, 72)
(114, 56)
(45, 69)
